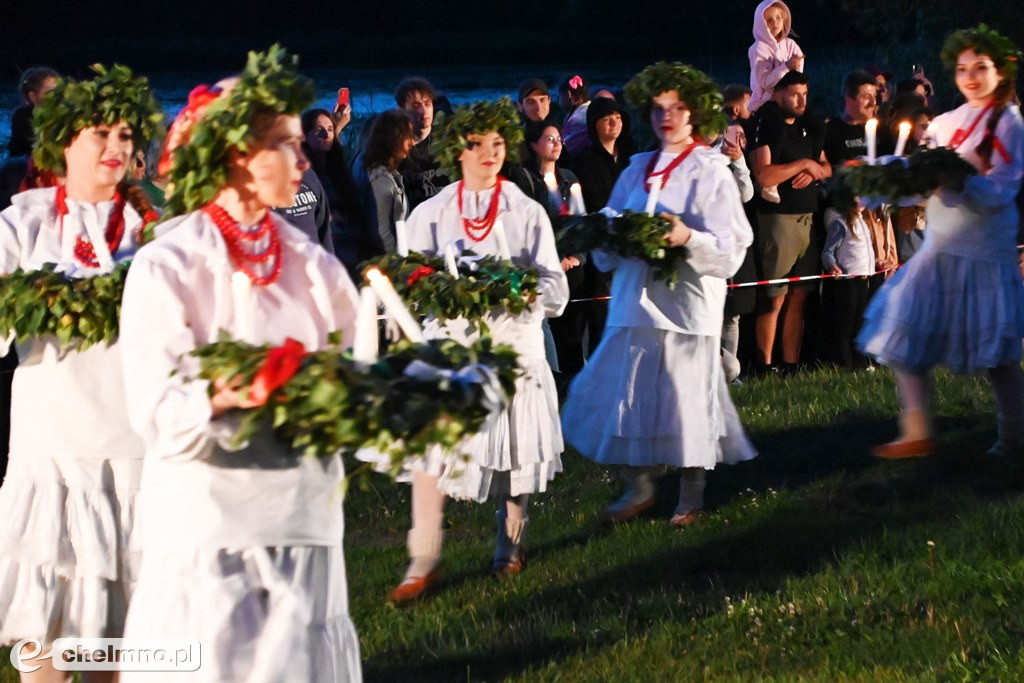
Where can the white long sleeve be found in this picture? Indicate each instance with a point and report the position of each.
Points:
(58, 397)
(178, 297)
(703, 193)
(982, 220)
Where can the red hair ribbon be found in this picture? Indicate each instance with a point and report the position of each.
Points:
(576, 82)
(280, 366)
(198, 100)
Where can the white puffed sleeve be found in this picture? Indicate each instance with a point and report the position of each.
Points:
(1000, 186)
(10, 257)
(423, 228)
(169, 411)
(719, 243)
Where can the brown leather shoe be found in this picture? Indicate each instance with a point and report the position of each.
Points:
(415, 587)
(511, 566)
(617, 516)
(899, 450)
(685, 520)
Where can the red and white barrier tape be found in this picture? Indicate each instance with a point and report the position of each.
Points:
(763, 283)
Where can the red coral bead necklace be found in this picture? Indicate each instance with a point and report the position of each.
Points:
(236, 238)
(84, 250)
(479, 228)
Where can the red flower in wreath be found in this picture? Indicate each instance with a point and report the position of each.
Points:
(280, 366)
(422, 271)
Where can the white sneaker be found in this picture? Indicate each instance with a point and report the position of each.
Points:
(771, 194)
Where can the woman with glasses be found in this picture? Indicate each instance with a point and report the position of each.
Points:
(551, 185)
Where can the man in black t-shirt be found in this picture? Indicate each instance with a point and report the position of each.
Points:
(421, 173)
(787, 152)
(844, 135)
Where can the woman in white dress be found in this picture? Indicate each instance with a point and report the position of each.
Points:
(959, 302)
(654, 392)
(243, 545)
(519, 452)
(68, 551)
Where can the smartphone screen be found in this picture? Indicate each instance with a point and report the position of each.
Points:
(342, 98)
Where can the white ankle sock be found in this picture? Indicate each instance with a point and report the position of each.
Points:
(424, 546)
(425, 537)
(638, 486)
(691, 490)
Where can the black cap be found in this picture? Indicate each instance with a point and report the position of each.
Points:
(531, 84)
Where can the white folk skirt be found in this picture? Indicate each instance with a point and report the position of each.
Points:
(260, 614)
(68, 547)
(655, 397)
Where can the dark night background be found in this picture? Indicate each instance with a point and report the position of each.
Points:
(158, 37)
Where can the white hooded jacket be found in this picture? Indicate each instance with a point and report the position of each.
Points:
(768, 56)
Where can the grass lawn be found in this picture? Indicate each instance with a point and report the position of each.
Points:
(815, 562)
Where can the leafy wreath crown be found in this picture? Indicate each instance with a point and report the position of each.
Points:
(695, 88)
(985, 41)
(270, 84)
(114, 95)
(476, 119)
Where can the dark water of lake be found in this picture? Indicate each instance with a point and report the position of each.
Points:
(372, 89)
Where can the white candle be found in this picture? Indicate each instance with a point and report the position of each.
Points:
(870, 129)
(385, 291)
(401, 239)
(652, 196)
(241, 294)
(499, 234)
(576, 206)
(553, 193)
(901, 141)
(449, 260)
(364, 348)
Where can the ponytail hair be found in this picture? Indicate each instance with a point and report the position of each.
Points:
(138, 200)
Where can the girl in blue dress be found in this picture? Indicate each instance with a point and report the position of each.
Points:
(959, 302)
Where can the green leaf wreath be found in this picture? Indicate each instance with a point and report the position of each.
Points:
(79, 312)
(269, 84)
(984, 41)
(486, 284)
(114, 95)
(694, 87)
(901, 180)
(450, 132)
(631, 235)
(333, 404)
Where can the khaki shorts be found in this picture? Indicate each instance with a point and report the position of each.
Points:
(784, 243)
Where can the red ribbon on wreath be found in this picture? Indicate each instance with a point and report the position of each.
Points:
(181, 129)
(422, 271)
(281, 364)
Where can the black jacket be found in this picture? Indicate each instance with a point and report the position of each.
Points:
(594, 166)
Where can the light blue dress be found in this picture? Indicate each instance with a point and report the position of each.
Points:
(959, 302)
